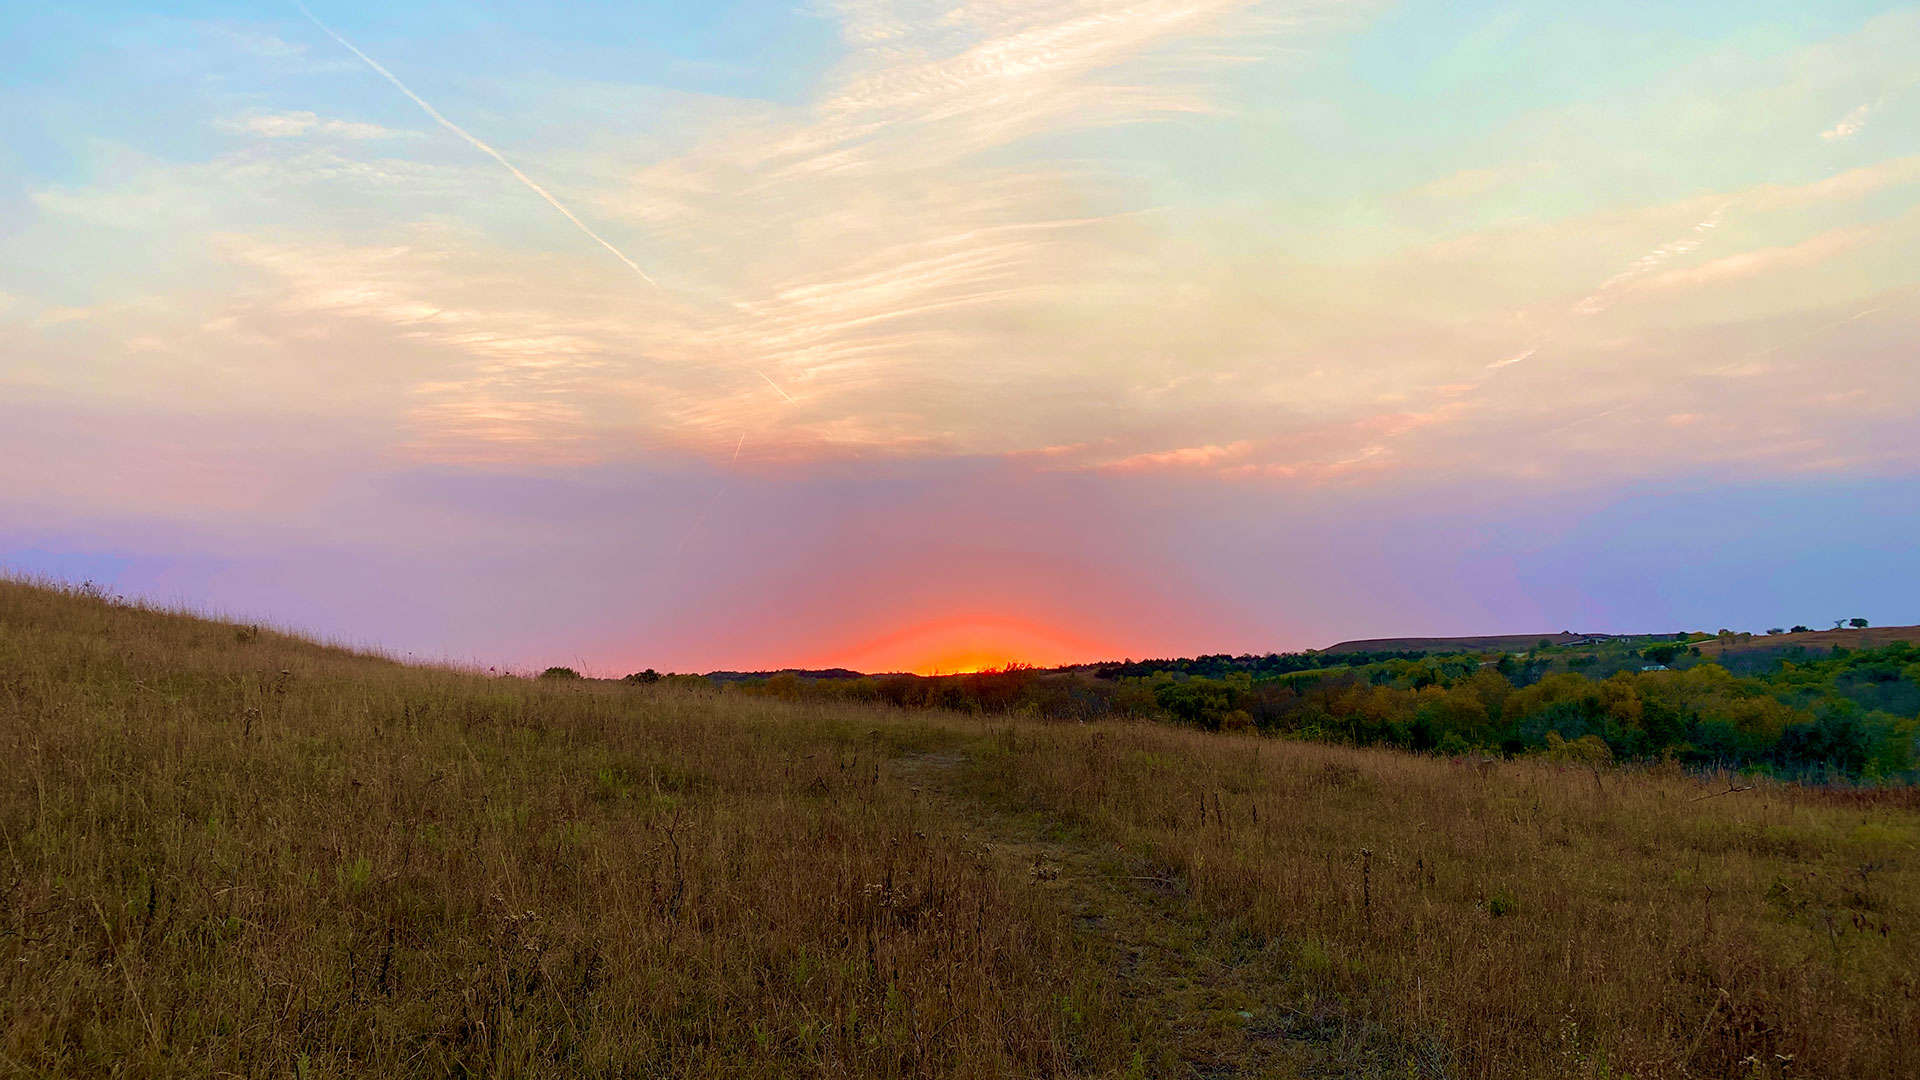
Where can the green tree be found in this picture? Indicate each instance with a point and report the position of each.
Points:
(1201, 702)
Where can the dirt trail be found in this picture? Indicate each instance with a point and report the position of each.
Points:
(1231, 1003)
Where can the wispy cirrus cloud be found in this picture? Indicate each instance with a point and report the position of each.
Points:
(1856, 183)
(1749, 264)
(300, 122)
(1186, 457)
(942, 252)
(1599, 300)
(1849, 125)
(984, 74)
(843, 257)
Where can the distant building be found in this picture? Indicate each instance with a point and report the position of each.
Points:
(1653, 667)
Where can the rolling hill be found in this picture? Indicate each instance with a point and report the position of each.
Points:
(235, 852)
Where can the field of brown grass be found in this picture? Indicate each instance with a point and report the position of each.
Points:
(235, 853)
(1818, 641)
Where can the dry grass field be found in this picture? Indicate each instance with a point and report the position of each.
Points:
(236, 853)
(1815, 641)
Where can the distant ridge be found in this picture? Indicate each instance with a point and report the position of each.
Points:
(1502, 642)
(1870, 638)
(1874, 637)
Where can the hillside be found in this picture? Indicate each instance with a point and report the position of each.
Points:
(1489, 643)
(1814, 641)
(233, 852)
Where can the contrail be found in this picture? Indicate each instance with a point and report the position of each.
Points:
(478, 145)
(1516, 357)
(1651, 261)
(695, 527)
(1602, 298)
(1595, 416)
(1805, 334)
(776, 387)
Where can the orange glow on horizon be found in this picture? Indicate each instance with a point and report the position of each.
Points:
(961, 644)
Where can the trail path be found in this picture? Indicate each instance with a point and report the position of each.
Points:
(1231, 1004)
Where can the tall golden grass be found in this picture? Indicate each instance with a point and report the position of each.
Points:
(1542, 919)
(234, 852)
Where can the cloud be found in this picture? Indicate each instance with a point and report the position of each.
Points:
(257, 42)
(1188, 457)
(987, 73)
(1603, 297)
(1468, 184)
(895, 252)
(1600, 299)
(288, 125)
(1749, 264)
(1313, 453)
(1850, 125)
(943, 253)
(1842, 187)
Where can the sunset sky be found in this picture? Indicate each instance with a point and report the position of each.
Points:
(895, 335)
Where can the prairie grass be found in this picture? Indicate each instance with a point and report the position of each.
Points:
(237, 853)
(1540, 919)
(234, 852)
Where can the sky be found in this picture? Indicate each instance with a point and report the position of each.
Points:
(902, 335)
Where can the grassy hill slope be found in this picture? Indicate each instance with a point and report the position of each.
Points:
(1486, 643)
(240, 853)
(1814, 641)
(1818, 641)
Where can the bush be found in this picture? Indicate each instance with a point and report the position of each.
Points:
(559, 673)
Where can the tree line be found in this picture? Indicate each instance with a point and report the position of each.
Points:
(1841, 714)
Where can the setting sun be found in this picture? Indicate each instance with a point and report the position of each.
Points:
(966, 643)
